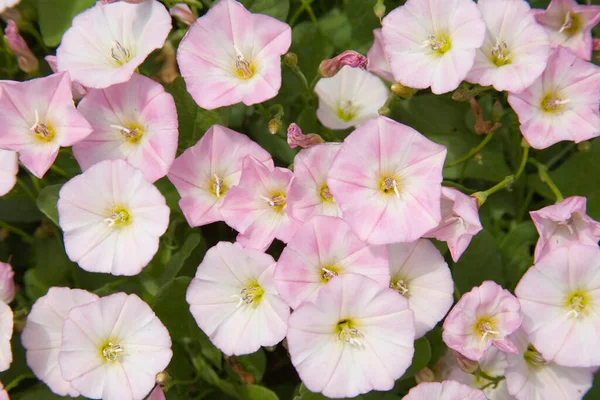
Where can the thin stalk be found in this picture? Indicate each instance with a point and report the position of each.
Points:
(473, 152)
(15, 382)
(458, 186)
(524, 158)
(24, 235)
(545, 177)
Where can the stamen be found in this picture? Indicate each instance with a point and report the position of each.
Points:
(390, 183)
(568, 24)
(326, 194)
(500, 53)
(328, 274)
(41, 130)
(250, 294)
(485, 328)
(276, 200)
(568, 224)
(347, 110)
(217, 185)
(349, 334)
(119, 53)
(533, 356)
(243, 67)
(434, 43)
(115, 217)
(400, 286)
(576, 306)
(553, 103)
(132, 135)
(111, 351)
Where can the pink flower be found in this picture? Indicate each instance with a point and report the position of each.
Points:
(378, 60)
(112, 218)
(205, 172)
(530, 377)
(562, 104)
(432, 43)
(42, 335)
(562, 224)
(322, 248)
(3, 393)
(420, 274)
(296, 138)
(515, 49)
(78, 89)
(6, 332)
(387, 179)
(446, 390)
(483, 317)
(107, 42)
(112, 348)
(9, 167)
(156, 394)
(38, 117)
(5, 4)
(357, 336)
(460, 221)
(239, 51)
(570, 25)
(309, 193)
(182, 13)
(135, 121)
(7, 283)
(256, 207)
(25, 58)
(332, 66)
(350, 98)
(559, 297)
(234, 301)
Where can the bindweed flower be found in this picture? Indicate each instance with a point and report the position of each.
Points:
(26, 60)
(332, 66)
(6, 332)
(42, 335)
(386, 179)
(39, 117)
(446, 390)
(78, 89)
(483, 317)
(515, 49)
(560, 298)
(570, 24)
(112, 348)
(182, 13)
(309, 194)
(563, 224)
(530, 377)
(107, 42)
(460, 221)
(562, 104)
(357, 336)
(350, 98)
(296, 138)
(378, 60)
(432, 43)
(420, 274)
(240, 52)
(234, 301)
(7, 283)
(112, 218)
(256, 207)
(9, 167)
(135, 121)
(205, 172)
(325, 247)
(6, 4)
(156, 394)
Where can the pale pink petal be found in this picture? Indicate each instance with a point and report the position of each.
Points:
(9, 167)
(378, 60)
(446, 390)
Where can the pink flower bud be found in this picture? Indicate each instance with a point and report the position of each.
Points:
(467, 365)
(77, 89)
(183, 13)
(596, 44)
(330, 67)
(425, 375)
(27, 61)
(296, 138)
(7, 283)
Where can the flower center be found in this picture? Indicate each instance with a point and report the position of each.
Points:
(439, 44)
(347, 110)
(348, 333)
(251, 294)
(276, 201)
(118, 217)
(500, 53)
(133, 134)
(400, 286)
(572, 23)
(326, 194)
(328, 272)
(42, 132)
(119, 53)
(389, 185)
(217, 186)
(485, 327)
(551, 103)
(111, 351)
(577, 303)
(533, 357)
(244, 69)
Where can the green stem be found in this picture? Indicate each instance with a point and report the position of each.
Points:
(568, 148)
(458, 186)
(27, 190)
(545, 177)
(524, 158)
(314, 82)
(302, 77)
(24, 235)
(105, 288)
(297, 14)
(473, 152)
(311, 13)
(457, 294)
(262, 111)
(36, 183)
(493, 379)
(503, 184)
(15, 382)
(60, 171)
(387, 106)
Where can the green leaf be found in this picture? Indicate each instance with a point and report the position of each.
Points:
(363, 21)
(51, 267)
(274, 144)
(420, 359)
(176, 262)
(337, 28)
(256, 392)
(173, 311)
(275, 8)
(516, 248)
(255, 363)
(38, 392)
(47, 201)
(18, 206)
(438, 347)
(55, 17)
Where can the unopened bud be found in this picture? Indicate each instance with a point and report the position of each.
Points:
(467, 365)
(25, 58)
(183, 13)
(379, 9)
(384, 110)
(296, 138)
(425, 375)
(596, 44)
(497, 111)
(290, 60)
(274, 126)
(584, 147)
(403, 91)
(332, 66)
(163, 378)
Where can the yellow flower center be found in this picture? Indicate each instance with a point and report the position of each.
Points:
(329, 271)
(533, 357)
(484, 327)
(217, 186)
(132, 133)
(348, 333)
(111, 351)
(347, 110)
(244, 69)
(438, 44)
(275, 201)
(389, 185)
(577, 303)
(400, 286)
(251, 294)
(500, 54)
(572, 24)
(325, 194)
(552, 103)
(120, 54)
(117, 217)
(42, 132)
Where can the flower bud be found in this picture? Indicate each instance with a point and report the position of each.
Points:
(274, 126)
(7, 283)
(163, 378)
(290, 60)
(332, 66)
(77, 89)
(584, 147)
(467, 365)
(403, 91)
(296, 138)
(379, 9)
(384, 110)
(497, 111)
(596, 44)
(25, 58)
(183, 13)
(425, 375)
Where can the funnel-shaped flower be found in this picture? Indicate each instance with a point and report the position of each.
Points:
(515, 50)
(387, 179)
(420, 274)
(350, 98)
(77, 88)
(107, 42)
(38, 117)
(483, 317)
(560, 299)
(357, 336)
(6, 331)
(562, 104)
(231, 55)
(205, 172)
(378, 60)
(234, 301)
(9, 167)
(183, 13)
(322, 248)
(309, 194)
(446, 390)
(256, 207)
(42, 335)
(112, 218)
(432, 43)
(135, 121)
(112, 348)
(570, 24)
(7, 283)
(563, 224)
